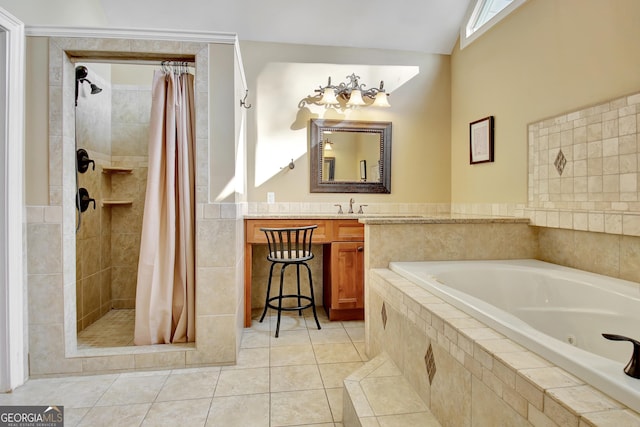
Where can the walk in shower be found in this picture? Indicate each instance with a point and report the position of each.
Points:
(112, 128)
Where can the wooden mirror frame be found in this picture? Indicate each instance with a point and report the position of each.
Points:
(318, 126)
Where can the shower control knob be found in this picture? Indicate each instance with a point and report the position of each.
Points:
(83, 200)
(83, 160)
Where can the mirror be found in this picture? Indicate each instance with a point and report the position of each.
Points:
(350, 156)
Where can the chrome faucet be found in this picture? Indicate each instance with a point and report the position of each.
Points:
(351, 202)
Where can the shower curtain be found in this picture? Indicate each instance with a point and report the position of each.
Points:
(165, 294)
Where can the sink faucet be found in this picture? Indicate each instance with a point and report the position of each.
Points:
(351, 205)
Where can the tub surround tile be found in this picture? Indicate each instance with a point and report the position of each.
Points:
(610, 419)
(519, 386)
(582, 398)
(488, 409)
(388, 396)
(378, 394)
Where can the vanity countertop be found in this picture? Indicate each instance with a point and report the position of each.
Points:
(379, 219)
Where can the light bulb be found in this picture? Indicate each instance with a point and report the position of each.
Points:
(381, 100)
(329, 97)
(356, 98)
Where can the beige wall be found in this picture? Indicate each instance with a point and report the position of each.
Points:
(280, 76)
(36, 131)
(546, 58)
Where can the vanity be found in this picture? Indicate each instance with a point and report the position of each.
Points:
(345, 157)
(342, 241)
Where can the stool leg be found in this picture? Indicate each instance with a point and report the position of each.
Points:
(313, 300)
(266, 300)
(280, 299)
(298, 278)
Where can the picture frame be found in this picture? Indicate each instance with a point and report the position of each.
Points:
(481, 140)
(363, 170)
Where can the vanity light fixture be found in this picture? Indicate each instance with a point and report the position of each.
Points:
(354, 93)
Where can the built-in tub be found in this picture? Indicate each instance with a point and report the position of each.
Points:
(555, 311)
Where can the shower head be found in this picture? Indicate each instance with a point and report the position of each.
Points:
(81, 76)
(94, 89)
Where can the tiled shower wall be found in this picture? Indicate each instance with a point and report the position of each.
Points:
(93, 238)
(113, 128)
(131, 109)
(584, 169)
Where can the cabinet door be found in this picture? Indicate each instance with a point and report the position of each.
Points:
(347, 265)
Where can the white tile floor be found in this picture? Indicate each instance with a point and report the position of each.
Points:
(293, 380)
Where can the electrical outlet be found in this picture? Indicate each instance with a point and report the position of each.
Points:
(271, 197)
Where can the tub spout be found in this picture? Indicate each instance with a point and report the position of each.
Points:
(633, 367)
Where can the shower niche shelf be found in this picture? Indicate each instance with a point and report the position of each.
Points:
(108, 203)
(110, 170)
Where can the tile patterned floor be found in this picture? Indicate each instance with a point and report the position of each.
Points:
(114, 329)
(293, 380)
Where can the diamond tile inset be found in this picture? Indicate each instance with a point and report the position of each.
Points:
(383, 313)
(430, 362)
(560, 162)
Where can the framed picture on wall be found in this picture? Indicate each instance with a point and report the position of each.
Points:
(481, 140)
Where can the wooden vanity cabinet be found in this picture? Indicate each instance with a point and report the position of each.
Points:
(343, 262)
(344, 280)
(343, 272)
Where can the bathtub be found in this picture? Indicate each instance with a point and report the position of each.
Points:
(554, 311)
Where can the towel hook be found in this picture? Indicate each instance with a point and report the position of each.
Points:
(291, 165)
(243, 102)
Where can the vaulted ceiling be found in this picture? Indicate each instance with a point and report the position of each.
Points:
(430, 26)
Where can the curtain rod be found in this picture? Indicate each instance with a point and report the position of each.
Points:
(156, 62)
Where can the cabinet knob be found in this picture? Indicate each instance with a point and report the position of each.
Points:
(360, 248)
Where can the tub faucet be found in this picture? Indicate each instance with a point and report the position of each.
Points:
(351, 202)
(633, 367)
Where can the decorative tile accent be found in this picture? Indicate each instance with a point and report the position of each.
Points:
(383, 313)
(598, 166)
(430, 362)
(560, 162)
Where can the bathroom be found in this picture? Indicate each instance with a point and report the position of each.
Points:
(430, 146)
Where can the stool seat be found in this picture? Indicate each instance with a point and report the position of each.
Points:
(289, 246)
(289, 256)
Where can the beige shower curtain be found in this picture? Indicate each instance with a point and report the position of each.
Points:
(165, 295)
